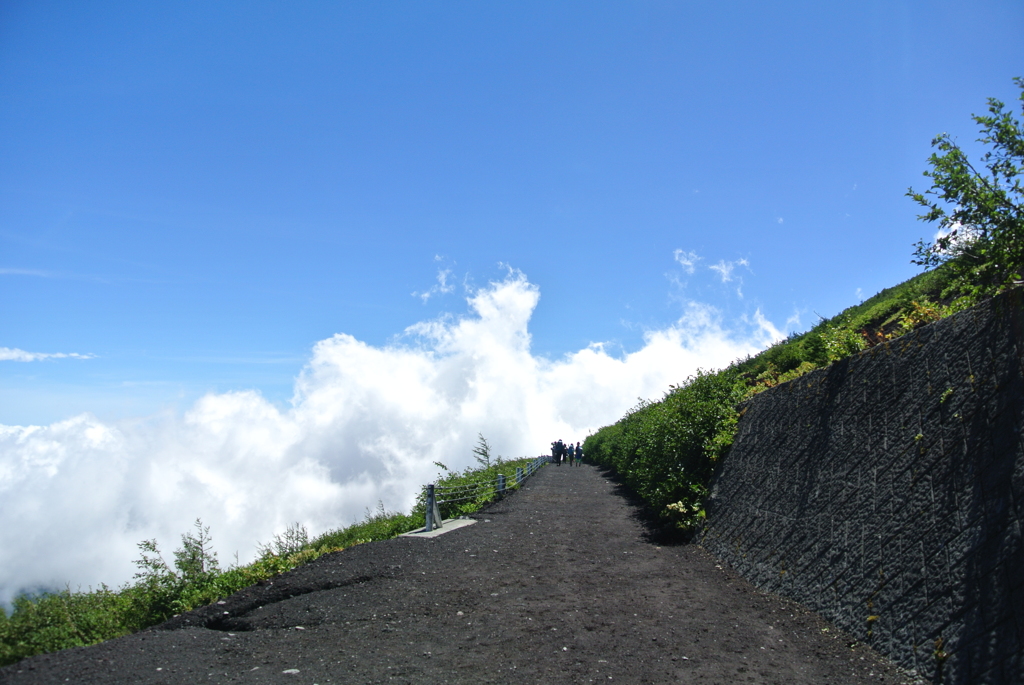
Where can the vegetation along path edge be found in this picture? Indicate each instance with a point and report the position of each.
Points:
(560, 582)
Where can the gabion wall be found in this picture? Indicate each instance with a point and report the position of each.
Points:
(886, 492)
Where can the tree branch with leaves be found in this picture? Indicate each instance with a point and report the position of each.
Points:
(980, 212)
(482, 451)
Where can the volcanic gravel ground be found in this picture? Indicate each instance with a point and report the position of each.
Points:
(559, 583)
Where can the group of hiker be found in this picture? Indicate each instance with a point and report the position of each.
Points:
(573, 454)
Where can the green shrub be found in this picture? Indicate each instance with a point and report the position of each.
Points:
(378, 525)
(841, 341)
(485, 480)
(665, 451)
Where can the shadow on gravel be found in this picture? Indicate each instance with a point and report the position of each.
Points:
(233, 613)
(656, 530)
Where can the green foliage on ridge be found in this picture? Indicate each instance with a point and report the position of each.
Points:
(666, 450)
(886, 315)
(483, 481)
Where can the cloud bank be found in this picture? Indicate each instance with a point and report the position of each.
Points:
(13, 354)
(365, 425)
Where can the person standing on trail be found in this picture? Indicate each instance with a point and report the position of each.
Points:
(579, 455)
(572, 453)
(554, 451)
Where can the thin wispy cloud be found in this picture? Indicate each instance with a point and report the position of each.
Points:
(768, 332)
(794, 323)
(443, 286)
(27, 272)
(724, 269)
(13, 354)
(366, 424)
(688, 260)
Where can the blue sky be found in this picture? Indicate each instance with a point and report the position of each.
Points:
(197, 192)
(195, 197)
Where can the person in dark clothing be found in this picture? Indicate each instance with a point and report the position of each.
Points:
(579, 454)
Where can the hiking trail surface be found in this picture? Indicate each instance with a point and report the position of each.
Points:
(561, 582)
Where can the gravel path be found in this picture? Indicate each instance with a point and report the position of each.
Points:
(560, 583)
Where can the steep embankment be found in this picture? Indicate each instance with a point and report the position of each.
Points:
(667, 450)
(887, 493)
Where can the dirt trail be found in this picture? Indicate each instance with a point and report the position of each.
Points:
(557, 584)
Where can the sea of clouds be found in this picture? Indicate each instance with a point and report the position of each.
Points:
(365, 425)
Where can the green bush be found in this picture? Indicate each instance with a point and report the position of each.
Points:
(840, 341)
(485, 480)
(665, 451)
(378, 525)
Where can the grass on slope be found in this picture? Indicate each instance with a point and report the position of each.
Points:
(889, 314)
(666, 450)
(71, 618)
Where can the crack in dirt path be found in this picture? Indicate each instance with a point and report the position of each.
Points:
(559, 583)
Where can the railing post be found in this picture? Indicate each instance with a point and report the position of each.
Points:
(501, 485)
(519, 476)
(431, 506)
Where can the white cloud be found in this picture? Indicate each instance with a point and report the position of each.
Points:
(13, 354)
(766, 330)
(365, 424)
(688, 260)
(793, 322)
(944, 231)
(442, 287)
(964, 235)
(724, 269)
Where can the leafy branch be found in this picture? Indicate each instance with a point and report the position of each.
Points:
(980, 213)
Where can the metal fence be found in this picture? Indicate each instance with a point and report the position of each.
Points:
(485, 490)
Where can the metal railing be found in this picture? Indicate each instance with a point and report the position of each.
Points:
(484, 490)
